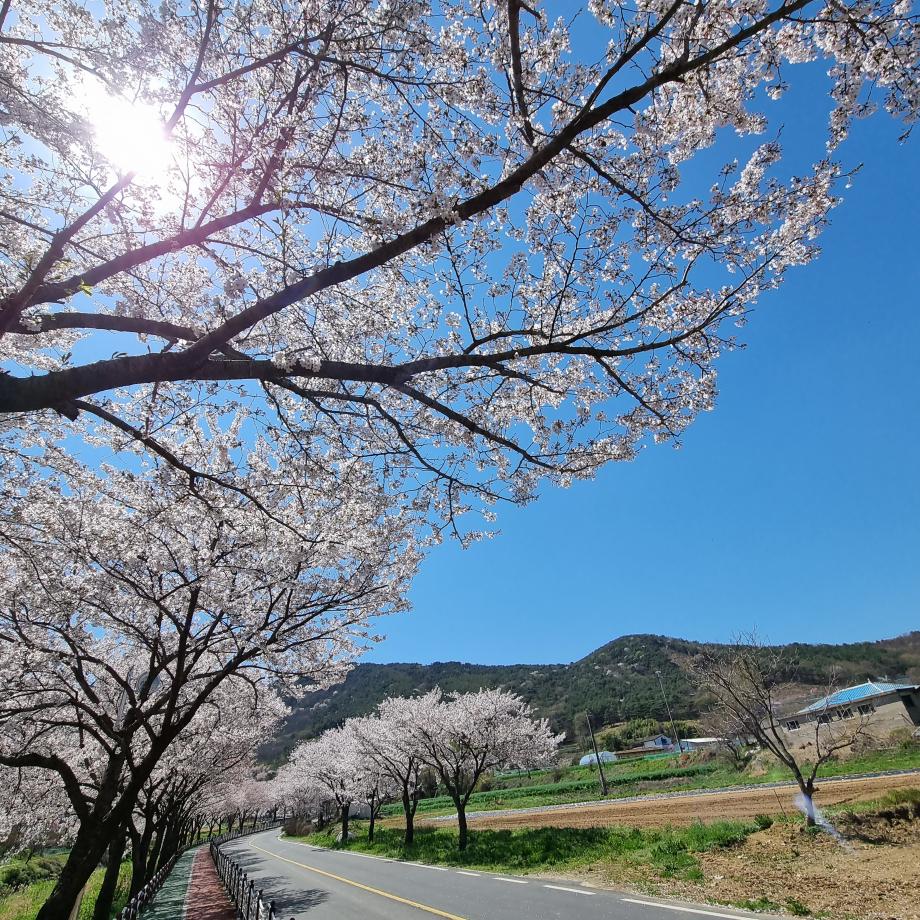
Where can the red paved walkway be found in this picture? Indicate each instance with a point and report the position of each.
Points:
(206, 898)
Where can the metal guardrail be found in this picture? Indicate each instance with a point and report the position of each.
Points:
(251, 904)
(245, 831)
(133, 908)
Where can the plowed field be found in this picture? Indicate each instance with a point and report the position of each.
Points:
(705, 806)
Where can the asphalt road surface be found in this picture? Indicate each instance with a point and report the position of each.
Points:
(311, 883)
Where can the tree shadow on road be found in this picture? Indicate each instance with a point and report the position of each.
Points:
(289, 899)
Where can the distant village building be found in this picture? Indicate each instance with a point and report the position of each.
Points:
(884, 707)
(589, 760)
(658, 742)
(697, 744)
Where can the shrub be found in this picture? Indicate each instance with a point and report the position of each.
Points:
(13, 877)
(904, 739)
(763, 821)
(761, 903)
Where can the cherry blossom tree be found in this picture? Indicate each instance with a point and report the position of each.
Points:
(375, 789)
(467, 734)
(134, 602)
(340, 767)
(390, 741)
(331, 764)
(455, 242)
(245, 800)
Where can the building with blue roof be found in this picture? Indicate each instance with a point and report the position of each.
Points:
(882, 706)
(867, 691)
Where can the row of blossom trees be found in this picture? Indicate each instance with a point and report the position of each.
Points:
(148, 626)
(384, 757)
(204, 781)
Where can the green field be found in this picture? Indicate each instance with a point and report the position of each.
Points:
(21, 899)
(647, 777)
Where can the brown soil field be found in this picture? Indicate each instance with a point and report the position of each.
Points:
(872, 875)
(707, 806)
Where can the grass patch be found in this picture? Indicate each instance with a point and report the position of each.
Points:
(665, 852)
(25, 902)
(894, 799)
(761, 903)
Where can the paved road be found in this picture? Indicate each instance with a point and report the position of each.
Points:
(311, 883)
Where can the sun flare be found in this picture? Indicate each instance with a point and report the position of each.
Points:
(130, 135)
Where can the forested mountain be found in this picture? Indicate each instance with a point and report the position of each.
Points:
(614, 683)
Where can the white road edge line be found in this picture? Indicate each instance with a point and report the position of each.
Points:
(688, 910)
(516, 881)
(426, 866)
(316, 849)
(573, 890)
(464, 872)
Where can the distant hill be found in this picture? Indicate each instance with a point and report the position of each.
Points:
(614, 683)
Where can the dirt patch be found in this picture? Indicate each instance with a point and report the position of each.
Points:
(785, 866)
(709, 806)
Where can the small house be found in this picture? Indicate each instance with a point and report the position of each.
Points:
(657, 742)
(882, 705)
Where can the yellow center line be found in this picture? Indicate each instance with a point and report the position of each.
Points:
(348, 881)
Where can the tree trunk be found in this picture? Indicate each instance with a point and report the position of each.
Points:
(170, 845)
(808, 793)
(84, 857)
(370, 827)
(154, 853)
(98, 829)
(346, 809)
(410, 818)
(103, 907)
(461, 823)
(139, 858)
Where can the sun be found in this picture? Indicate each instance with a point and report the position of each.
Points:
(130, 135)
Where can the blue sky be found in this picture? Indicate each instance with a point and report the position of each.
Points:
(793, 507)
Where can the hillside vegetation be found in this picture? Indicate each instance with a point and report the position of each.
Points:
(615, 683)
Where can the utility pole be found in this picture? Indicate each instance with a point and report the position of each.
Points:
(667, 706)
(597, 757)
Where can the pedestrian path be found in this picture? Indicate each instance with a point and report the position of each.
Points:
(169, 902)
(193, 891)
